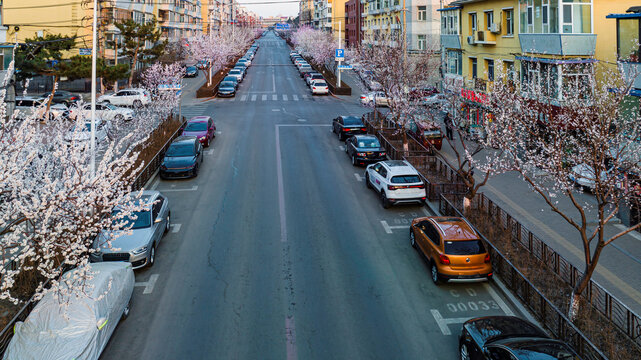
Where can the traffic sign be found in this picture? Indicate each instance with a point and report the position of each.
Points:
(345, 67)
(169, 86)
(340, 53)
(84, 51)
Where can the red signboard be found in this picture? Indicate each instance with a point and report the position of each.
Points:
(472, 96)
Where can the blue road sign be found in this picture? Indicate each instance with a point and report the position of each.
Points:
(340, 53)
(345, 67)
(84, 51)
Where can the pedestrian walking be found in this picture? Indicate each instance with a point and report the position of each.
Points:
(448, 127)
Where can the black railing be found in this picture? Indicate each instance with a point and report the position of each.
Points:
(547, 313)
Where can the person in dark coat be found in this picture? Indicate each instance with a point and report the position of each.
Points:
(448, 127)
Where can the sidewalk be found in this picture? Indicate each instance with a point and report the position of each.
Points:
(620, 262)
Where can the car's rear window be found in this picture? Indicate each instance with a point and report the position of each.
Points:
(320, 83)
(352, 121)
(406, 179)
(369, 143)
(466, 247)
(196, 126)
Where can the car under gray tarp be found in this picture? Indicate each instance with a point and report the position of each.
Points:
(77, 326)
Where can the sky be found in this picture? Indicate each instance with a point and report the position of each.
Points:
(278, 7)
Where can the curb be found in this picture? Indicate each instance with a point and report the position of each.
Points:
(515, 302)
(151, 180)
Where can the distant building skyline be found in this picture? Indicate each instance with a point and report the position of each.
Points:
(270, 10)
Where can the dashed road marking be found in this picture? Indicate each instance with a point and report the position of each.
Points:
(209, 152)
(275, 109)
(284, 97)
(264, 97)
(175, 228)
(295, 97)
(275, 97)
(253, 97)
(341, 147)
(301, 120)
(243, 98)
(386, 227)
(149, 284)
(358, 177)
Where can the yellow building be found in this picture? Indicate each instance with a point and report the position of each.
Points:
(552, 43)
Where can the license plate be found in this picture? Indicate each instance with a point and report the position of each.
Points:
(370, 153)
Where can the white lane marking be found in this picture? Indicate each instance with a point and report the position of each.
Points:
(304, 96)
(290, 335)
(302, 120)
(506, 309)
(295, 97)
(284, 97)
(443, 323)
(218, 132)
(149, 284)
(281, 189)
(634, 234)
(233, 99)
(386, 227)
(274, 97)
(275, 109)
(264, 97)
(341, 147)
(175, 228)
(209, 152)
(155, 185)
(253, 97)
(193, 188)
(358, 177)
(243, 98)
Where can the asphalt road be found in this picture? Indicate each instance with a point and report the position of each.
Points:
(278, 250)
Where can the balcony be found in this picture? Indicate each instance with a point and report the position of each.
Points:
(451, 41)
(558, 44)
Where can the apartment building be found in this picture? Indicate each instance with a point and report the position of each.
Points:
(552, 43)
(179, 19)
(417, 20)
(353, 22)
(306, 12)
(211, 13)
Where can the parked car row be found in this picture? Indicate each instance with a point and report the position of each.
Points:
(229, 85)
(315, 81)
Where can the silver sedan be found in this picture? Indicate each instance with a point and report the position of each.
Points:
(137, 245)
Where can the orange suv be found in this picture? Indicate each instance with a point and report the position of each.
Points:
(455, 251)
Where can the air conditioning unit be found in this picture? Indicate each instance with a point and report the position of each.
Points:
(470, 40)
(495, 28)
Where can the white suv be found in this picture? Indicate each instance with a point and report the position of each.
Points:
(396, 181)
(127, 97)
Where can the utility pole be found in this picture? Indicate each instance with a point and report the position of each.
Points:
(115, 59)
(338, 83)
(94, 39)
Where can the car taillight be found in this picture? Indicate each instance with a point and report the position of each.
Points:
(363, 129)
(361, 154)
(346, 129)
(444, 259)
(383, 154)
(73, 98)
(393, 187)
(487, 258)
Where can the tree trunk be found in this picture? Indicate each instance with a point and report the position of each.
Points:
(406, 145)
(583, 283)
(134, 62)
(467, 204)
(573, 312)
(53, 91)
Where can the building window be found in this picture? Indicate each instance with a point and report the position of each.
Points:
(509, 21)
(422, 13)
(489, 65)
(473, 21)
(577, 17)
(545, 16)
(454, 62)
(473, 66)
(489, 19)
(422, 42)
(628, 35)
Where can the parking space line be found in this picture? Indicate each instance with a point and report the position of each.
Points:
(341, 147)
(425, 211)
(295, 97)
(358, 177)
(253, 97)
(506, 309)
(274, 97)
(264, 97)
(155, 185)
(149, 284)
(284, 97)
(193, 188)
(386, 227)
(175, 228)
(443, 323)
(243, 98)
(209, 152)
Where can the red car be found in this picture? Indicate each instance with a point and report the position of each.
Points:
(202, 127)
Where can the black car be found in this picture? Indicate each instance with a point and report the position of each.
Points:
(191, 71)
(226, 89)
(182, 159)
(511, 338)
(63, 97)
(364, 149)
(232, 79)
(346, 126)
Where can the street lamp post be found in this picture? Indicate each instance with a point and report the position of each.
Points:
(92, 140)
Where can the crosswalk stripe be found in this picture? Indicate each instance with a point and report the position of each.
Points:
(304, 96)
(295, 97)
(253, 97)
(243, 98)
(284, 97)
(264, 97)
(274, 97)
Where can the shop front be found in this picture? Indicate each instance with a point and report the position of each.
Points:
(474, 112)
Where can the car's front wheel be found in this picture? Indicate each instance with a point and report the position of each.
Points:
(354, 162)
(126, 311)
(137, 103)
(168, 224)
(412, 238)
(152, 256)
(464, 352)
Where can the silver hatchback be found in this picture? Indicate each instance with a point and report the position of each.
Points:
(138, 245)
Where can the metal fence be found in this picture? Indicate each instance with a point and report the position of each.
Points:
(545, 312)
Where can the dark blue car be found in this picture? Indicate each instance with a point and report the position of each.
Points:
(191, 71)
(182, 159)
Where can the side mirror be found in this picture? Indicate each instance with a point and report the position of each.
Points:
(158, 221)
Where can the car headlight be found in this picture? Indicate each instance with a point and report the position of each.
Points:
(139, 250)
